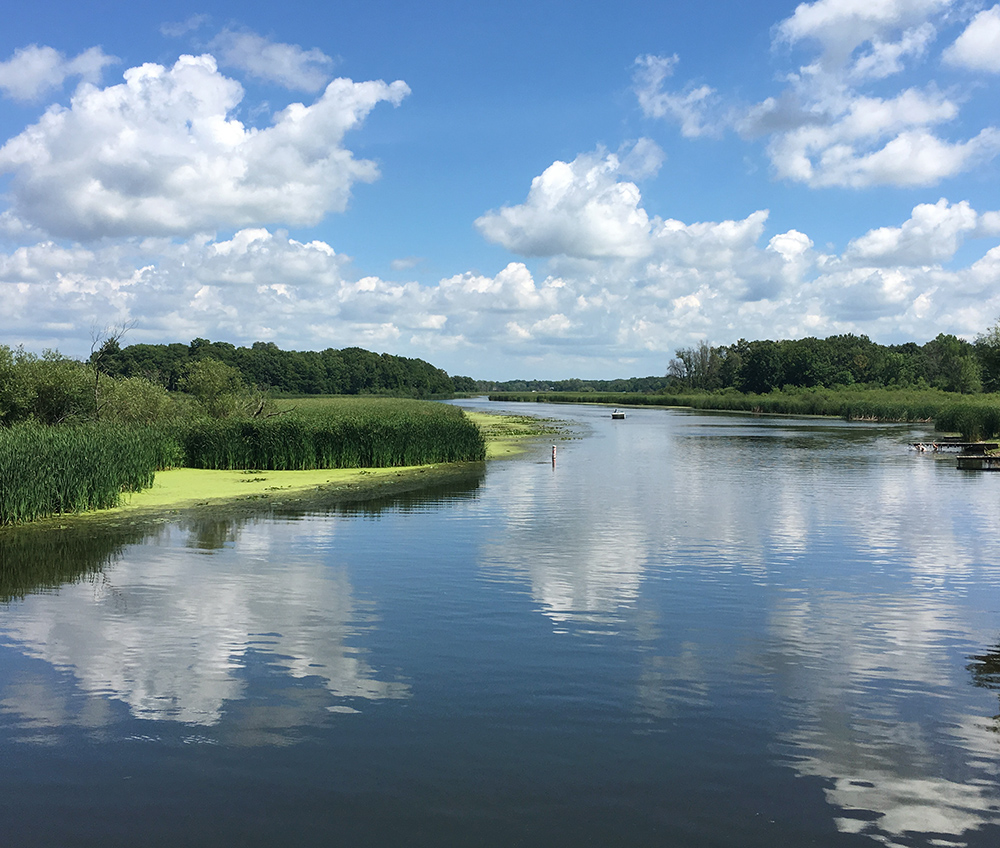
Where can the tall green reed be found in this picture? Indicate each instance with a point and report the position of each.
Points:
(49, 470)
(332, 433)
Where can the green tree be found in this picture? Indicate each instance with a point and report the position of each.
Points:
(987, 350)
(806, 362)
(697, 367)
(761, 369)
(136, 400)
(220, 391)
(952, 364)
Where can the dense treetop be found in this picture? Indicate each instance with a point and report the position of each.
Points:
(349, 371)
(946, 362)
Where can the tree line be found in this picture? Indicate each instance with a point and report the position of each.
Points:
(350, 371)
(632, 385)
(150, 382)
(946, 362)
(145, 384)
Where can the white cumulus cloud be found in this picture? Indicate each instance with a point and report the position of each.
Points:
(36, 70)
(161, 154)
(837, 122)
(978, 47)
(608, 295)
(288, 65)
(933, 234)
(578, 209)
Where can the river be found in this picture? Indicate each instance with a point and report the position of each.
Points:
(689, 630)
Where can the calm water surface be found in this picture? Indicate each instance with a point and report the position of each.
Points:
(693, 630)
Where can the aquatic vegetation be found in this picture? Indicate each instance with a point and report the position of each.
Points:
(337, 433)
(974, 418)
(47, 470)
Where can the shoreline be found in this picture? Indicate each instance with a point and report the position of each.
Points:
(189, 491)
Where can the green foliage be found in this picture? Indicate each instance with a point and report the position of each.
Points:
(974, 418)
(348, 371)
(52, 389)
(697, 367)
(48, 470)
(220, 391)
(136, 400)
(758, 367)
(337, 433)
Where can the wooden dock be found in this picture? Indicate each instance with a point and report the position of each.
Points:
(972, 456)
(978, 462)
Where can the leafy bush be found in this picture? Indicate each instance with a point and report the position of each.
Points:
(220, 391)
(136, 400)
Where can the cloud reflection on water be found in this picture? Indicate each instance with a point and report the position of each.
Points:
(865, 555)
(170, 634)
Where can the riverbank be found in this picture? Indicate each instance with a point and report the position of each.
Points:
(509, 435)
(974, 416)
(180, 490)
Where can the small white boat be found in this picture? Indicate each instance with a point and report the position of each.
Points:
(618, 416)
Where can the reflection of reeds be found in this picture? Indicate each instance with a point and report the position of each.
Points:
(33, 559)
(974, 416)
(47, 470)
(39, 557)
(338, 434)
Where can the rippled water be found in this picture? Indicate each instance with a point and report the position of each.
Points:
(692, 630)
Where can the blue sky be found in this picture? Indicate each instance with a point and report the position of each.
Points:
(505, 190)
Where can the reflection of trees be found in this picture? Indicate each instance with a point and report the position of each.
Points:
(175, 640)
(985, 670)
(150, 626)
(45, 556)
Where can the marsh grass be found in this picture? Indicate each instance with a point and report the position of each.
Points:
(975, 418)
(337, 433)
(48, 470)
